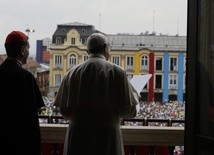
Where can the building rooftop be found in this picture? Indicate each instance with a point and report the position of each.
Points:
(43, 68)
(75, 24)
(153, 42)
(2, 58)
(130, 41)
(31, 63)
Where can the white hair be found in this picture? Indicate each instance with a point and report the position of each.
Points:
(96, 42)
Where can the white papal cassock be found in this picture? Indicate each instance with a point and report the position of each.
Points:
(94, 96)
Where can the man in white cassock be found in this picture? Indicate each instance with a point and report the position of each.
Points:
(94, 96)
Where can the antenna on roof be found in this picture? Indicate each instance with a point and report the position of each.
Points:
(100, 21)
(177, 26)
(28, 30)
(153, 22)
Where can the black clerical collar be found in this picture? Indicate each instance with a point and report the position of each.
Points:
(15, 60)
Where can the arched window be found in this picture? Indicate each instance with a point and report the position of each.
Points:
(72, 61)
(144, 62)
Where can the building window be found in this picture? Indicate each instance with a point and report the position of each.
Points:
(72, 41)
(144, 62)
(130, 63)
(57, 79)
(58, 40)
(72, 61)
(116, 60)
(158, 63)
(85, 57)
(158, 81)
(172, 81)
(173, 64)
(58, 61)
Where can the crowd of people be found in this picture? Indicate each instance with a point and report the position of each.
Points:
(172, 110)
(148, 110)
(167, 110)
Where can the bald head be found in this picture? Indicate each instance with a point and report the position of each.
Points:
(96, 43)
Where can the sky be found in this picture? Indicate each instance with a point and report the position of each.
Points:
(109, 16)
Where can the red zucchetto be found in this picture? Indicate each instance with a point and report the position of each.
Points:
(16, 36)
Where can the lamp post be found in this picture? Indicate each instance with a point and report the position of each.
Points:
(29, 31)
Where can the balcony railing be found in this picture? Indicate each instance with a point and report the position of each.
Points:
(133, 136)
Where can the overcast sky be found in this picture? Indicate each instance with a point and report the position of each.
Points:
(109, 16)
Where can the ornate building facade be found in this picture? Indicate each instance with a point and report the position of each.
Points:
(162, 56)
